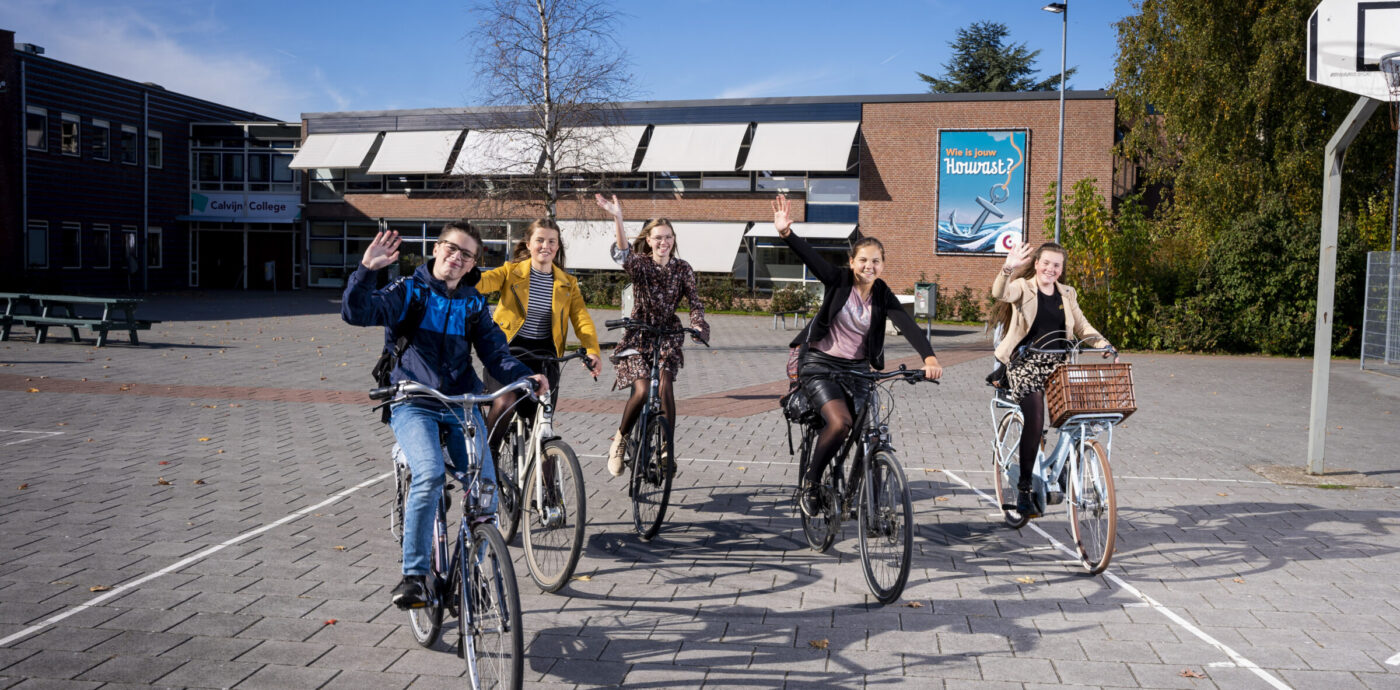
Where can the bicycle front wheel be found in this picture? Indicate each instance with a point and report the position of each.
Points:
(885, 521)
(651, 481)
(1006, 467)
(510, 459)
(554, 517)
(492, 640)
(1093, 509)
(396, 515)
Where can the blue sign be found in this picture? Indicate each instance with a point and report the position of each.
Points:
(981, 190)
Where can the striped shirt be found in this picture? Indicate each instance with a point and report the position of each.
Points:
(537, 311)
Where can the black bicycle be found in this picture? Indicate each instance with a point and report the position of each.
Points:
(651, 454)
(875, 491)
(538, 478)
(477, 583)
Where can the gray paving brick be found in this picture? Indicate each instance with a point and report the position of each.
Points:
(53, 664)
(131, 669)
(210, 674)
(360, 680)
(281, 677)
(352, 658)
(1109, 673)
(284, 653)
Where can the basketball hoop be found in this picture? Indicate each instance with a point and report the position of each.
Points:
(1390, 67)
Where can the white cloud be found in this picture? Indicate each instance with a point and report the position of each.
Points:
(132, 45)
(772, 86)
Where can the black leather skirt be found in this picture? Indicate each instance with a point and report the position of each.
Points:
(822, 389)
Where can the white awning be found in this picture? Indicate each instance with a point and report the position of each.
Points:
(498, 152)
(808, 231)
(709, 247)
(693, 148)
(600, 149)
(334, 151)
(587, 243)
(415, 153)
(801, 146)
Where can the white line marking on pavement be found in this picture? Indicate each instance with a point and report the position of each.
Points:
(27, 440)
(1393, 661)
(125, 586)
(1170, 614)
(1157, 479)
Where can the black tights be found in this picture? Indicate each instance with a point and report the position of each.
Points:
(836, 415)
(639, 397)
(1033, 410)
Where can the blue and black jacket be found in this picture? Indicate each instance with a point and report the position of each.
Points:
(454, 323)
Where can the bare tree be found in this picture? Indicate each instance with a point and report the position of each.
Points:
(555, 73)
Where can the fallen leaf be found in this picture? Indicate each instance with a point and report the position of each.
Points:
(83, 379)
(124, 388)
(89, 440)
(741, 468)
(819, 644)
(202, 439)
(584, 578)
(221, 450)
(1239, 580)
(340, 547)
(60, 582)
(22, 487)
(98, 588)
(941, 498)
(197, 481)
(235, 405)
(323, 378)
(1189, 673)
(1026, 580)
(163, 481)
(210, 407)
(63, 423)
(33, 390)
(330, 621)
(1222, 493)
(163, 462)
(914, 604)
(312, 340)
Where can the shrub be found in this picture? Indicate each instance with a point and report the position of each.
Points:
(793, 298)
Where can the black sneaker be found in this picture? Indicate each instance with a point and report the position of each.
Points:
(1024, 505)
(411, 592)
(809, 500)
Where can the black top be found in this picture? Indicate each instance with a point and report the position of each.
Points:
(1049, 324)
(837, 282)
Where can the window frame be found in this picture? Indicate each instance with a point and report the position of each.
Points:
(65, 121)
(135, 145)
(66, 261)
(155, 136)
(41, 226)
(43, 144)
(158, 233)
(103, 248)
(106, 139)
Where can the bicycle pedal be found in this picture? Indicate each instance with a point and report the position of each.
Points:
(1054, 498)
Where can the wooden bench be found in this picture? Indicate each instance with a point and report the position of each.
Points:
(118, 314)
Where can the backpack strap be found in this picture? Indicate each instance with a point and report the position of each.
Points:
(403, 333)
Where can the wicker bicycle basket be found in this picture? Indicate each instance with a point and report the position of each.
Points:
(1089, 389)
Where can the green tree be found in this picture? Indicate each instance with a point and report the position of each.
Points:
(983, 62)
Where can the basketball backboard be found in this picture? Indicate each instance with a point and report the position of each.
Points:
(1345, 41)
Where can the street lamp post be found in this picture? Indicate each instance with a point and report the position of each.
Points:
(1062, 9)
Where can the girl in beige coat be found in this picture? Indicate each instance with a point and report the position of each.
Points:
(1035, 309)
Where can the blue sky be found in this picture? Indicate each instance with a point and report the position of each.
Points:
(290, 57)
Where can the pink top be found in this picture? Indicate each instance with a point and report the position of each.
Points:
(846, 338)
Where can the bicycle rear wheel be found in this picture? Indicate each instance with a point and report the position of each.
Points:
(651, 483)
(1093, 508)
(401, 481)
(885, 522)
(492, 641)
(510, 459)
(1006, 467)
(820, 529)
(554, 522)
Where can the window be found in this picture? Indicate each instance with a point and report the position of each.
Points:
(101, 136)
(358, 181)
(154, 253)
(785, 182)
(725, 182)
(68, 135)
(37, 241)
(72, 248)
(101, 246)
(327, 184)
(496, 240)
(833, 190)
(36, 132)
(233, 171)
(676, 183)
(154, 143)
(129, 150)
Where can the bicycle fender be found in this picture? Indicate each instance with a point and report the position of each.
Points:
(547, 439)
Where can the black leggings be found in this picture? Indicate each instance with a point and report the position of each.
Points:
(836, 414)
(1033, 410)
(639, 397)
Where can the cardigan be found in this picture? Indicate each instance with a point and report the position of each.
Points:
(512, 280)
(1021, 293)
(837, 283)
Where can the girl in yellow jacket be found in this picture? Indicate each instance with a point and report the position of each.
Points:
(538, 299)
(1034, 308)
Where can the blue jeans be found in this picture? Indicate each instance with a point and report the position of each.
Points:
(416, 429)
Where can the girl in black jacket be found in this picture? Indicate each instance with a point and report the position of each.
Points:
(847, 334)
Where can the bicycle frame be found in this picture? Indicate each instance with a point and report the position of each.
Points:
(872, 437)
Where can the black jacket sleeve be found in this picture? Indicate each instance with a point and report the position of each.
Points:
(907, 325)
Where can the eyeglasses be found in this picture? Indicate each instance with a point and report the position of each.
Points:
(454, 249)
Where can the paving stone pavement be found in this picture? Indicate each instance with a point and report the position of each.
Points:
(1221, 578)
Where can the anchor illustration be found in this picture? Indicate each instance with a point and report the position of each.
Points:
(989, 208)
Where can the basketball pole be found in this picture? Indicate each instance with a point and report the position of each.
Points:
(1327, 274)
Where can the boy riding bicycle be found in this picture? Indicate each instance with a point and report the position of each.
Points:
(453, 320)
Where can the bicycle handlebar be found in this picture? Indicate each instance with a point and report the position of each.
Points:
(614, 324)
(413, 389)
(516, 350)
(912, 376)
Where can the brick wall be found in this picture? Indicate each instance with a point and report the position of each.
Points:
(899, 175)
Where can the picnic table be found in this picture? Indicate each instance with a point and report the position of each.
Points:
(49, 311)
